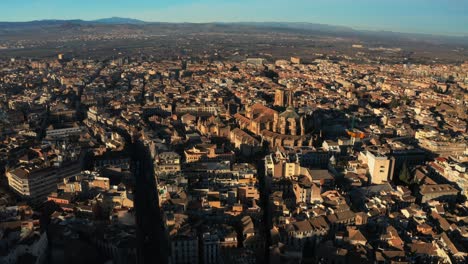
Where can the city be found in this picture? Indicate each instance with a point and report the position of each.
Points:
(201, 150)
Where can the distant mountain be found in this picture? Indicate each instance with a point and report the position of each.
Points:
(116, 23)
(118, 20)
(58, 22)
(297, 25)
(37, 24)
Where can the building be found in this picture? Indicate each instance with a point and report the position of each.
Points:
(306, 191)
(256, 61)
(295, 60)
(213, 126)
(167, 162)
(443, 148)
(245, 143)
(406, 154)
(208, 152)
(30, 247)
(94, 114)
(380, 166)
(36, 183)
(278, 129)
(211, 248)
(117, 242)
(312, 230)
(83, 183)
(278, 165)
(64, 132)
(310, 157)
(441, 192)
(280, 97)
(247, 193)
(184, 246)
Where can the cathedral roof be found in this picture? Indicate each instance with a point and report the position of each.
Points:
(290, 113)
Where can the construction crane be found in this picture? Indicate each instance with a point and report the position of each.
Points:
(353, 132)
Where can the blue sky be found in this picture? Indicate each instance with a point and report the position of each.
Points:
(449, 17)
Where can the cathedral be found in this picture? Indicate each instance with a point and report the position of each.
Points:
(278, 129)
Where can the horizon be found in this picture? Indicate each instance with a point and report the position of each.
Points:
(247, 22)
(419, 16)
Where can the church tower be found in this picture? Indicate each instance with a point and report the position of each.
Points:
(279, 97)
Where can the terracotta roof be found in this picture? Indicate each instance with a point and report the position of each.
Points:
(423, 248)
(438, 188)
(302, 226)
(356, 235)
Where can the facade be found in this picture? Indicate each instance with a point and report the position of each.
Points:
(196, 110)
(118, 243)
(256, 61)
(208, 152)
(247, 193)
(280, 97)
(64, 132)
(244, 142)
(167, 162)
(311, 230)
(213, 126)
(443, 148)
(380, 167)
(184, 248)
(296, 60)
(36, 183)
(450, 171)
(280, 164)
(278, 129)
(211, 248)
(441, 192)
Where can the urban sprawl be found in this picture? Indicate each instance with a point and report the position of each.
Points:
(131, 159)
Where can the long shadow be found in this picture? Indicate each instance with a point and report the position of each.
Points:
(264, 197)
(151, 239)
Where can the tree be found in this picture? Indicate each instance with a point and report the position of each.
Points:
(405, 175)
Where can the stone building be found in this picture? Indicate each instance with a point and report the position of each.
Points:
(278, 129)
(213, 126)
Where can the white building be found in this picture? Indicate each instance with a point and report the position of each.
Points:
(381, 167)
(167, 162)
(64, 132)
(36, 183)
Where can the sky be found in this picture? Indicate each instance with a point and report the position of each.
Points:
(447, 17)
